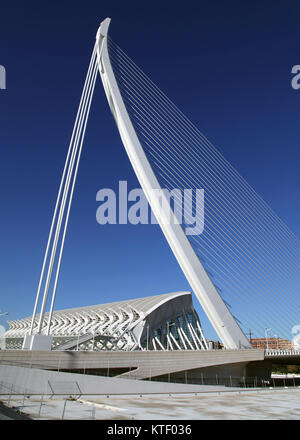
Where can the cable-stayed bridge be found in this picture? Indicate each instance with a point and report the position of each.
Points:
(243, 265)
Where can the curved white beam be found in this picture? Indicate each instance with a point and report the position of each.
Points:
(210, 300)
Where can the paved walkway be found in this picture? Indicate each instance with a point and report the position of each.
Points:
(271, 404)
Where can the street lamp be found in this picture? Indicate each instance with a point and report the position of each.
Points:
(266, 336)
(4, 314)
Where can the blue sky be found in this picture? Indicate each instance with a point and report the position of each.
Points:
(226, 65)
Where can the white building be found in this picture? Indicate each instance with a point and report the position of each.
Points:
(162, 322)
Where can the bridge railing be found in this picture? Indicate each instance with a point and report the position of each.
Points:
(275, 352)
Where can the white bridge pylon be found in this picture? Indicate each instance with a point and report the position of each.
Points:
(213, 305)
(220, 317)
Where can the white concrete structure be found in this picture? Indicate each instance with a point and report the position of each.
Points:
(224, 323)
(162, 322)
(218, 313)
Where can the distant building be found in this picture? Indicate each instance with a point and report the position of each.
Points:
(271, 343)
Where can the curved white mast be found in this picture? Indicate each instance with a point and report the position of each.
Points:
(210, 300)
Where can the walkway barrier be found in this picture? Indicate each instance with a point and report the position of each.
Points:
(274, 352)
(61, 406)
(64, 387)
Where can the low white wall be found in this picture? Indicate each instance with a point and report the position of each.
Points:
(31, 380)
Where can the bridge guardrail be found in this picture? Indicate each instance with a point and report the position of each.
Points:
(275, 352)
